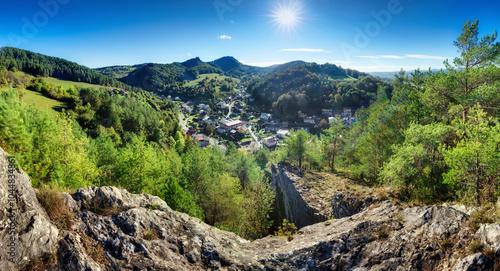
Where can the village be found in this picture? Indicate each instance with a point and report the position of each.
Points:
(234, 120)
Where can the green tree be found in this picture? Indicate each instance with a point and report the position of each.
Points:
(417, 164)
(469, 81)
(297, 145)
(475, 161)
(332, 141)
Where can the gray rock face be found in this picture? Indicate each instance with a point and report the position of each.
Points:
(489, 234)
(344, 204)
(289, 202)
(476, 262)
(26, 232)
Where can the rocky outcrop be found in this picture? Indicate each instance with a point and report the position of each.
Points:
(344, 204)
(289, 203)
(116, 230)
(312, 199)
(26, 231)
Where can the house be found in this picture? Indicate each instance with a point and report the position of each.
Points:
(243, 129)
(231, 124)
(186, 108)
(204, 107)
(311, 120)
(331, 119)
(265, 116)
(202, 141)
(190, 132)
(301, 114)
(223, 105)
(272, 127)
(282, 133)
(270, 142)
(327, 112)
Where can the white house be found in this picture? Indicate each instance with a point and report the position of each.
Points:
(282, 133)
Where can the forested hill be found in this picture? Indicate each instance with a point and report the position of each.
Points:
(171, 78)
(119, 71)
(309, 87)
(164, 77)
(42, 65)
(232, 67)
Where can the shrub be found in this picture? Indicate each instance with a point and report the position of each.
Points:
(286, 229)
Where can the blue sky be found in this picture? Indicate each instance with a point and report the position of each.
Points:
(366, 35)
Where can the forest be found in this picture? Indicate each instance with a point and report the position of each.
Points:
(309, 87)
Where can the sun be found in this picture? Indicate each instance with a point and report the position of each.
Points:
(287, 15)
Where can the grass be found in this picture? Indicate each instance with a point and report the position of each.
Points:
(50, 197)
(41, 102)
(44, 263)
(478, 218)
(475, 246)
(382, 234)
(94, 249)
(210, 76)
(66, 84)
(150, 235)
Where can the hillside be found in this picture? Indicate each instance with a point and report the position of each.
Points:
(309, 87)
(118, 72)
(47, 66)
(232, 67)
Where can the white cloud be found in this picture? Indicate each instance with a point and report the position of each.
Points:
(368, 56)
(265, 64)
(427, 57)
(392, 56)
(405, 56)
(382, 68)
(224, 37)
(305, 50)
(189, 54)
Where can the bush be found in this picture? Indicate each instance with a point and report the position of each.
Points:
(286, 229)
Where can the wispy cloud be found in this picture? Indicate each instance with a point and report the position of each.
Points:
(307, 50)
(392, 57)
(381, 68)
(427, 57)
(405, 56)
(265, 64)
(224, 37)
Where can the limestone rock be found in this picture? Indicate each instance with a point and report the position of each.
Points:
(475, 262)
(344, 205)
(33, 234)
(489, 234)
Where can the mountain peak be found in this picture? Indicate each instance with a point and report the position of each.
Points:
(192, 62)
